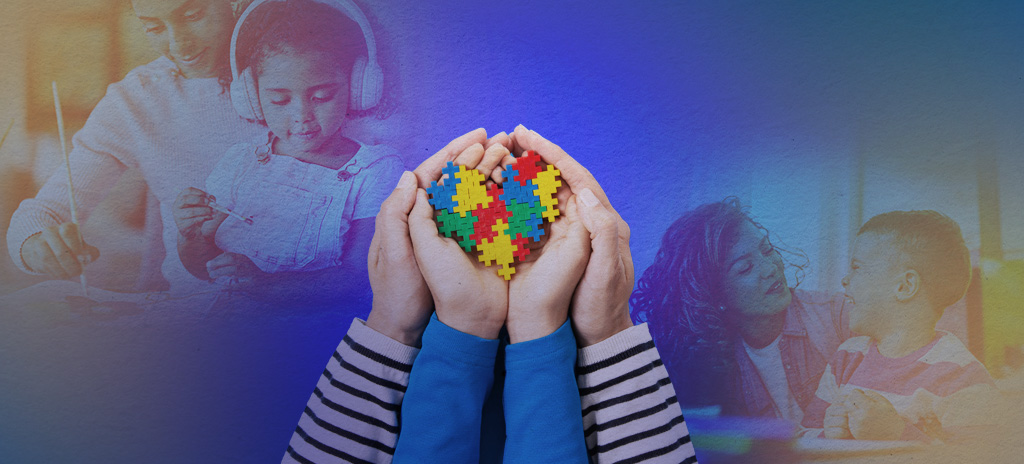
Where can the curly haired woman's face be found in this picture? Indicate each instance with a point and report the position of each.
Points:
(755, 281)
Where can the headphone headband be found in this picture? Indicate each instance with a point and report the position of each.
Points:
(346, 6)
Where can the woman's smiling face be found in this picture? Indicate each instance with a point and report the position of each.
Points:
(754, 281)
(195, 34)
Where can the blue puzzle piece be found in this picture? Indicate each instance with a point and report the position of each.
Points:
(536, 231)
(443, 196)
(522, 194)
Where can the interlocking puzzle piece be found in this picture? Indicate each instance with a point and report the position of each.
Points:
(547, 186)
(498, 222)
(499, 250)
(528, 166)
(463, 226)
(470, 193)
(442, 196)
(520, 224)
(521, 247)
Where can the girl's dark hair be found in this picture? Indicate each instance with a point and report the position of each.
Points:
(302, 26)
(681, 296)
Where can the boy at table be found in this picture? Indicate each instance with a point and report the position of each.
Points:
(902, 379)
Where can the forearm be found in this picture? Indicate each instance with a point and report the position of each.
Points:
(450, 380)
(94, 174)
(542, 402)
(630, 409)
(353, 411)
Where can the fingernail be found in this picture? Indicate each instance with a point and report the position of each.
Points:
(84, 259)
(408, 180)
(521, 126)
(588, 198)
(212, 198)
(499, 134)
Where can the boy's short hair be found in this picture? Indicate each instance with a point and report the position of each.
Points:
(302, 26)
(930, 243)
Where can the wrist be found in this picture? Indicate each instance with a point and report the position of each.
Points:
(475, 323)
(532, 325)
(404, 334)
(603, 329)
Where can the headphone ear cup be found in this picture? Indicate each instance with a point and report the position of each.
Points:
(244, 96)
(367, 84)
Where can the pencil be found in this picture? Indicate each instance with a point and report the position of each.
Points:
(71, 185)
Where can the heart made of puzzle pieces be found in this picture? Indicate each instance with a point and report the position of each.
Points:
(497, 222)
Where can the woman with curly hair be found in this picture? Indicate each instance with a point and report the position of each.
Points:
(730, 329)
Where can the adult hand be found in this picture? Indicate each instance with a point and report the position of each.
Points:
(872, 417)
(58, 251)
(237, 269)
(600, 306)
(194, 217)
(836, 421)
(402, 302)
(468, 296)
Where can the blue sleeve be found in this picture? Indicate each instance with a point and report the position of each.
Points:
(542, 401)
(441, 411)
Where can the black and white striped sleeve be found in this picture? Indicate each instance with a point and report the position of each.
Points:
(352, 415)
(630, 410)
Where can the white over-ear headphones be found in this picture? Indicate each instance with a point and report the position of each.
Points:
(367, 83)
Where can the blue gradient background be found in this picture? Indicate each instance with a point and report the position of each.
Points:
(817, 114)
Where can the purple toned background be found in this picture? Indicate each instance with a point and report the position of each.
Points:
(818, 115)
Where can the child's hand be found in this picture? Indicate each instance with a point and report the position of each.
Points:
(837, 421)
(872, 417)
(600, 306)
(236, 269)
(468, 296)
(542, 287)
(402, 302)
(195, 219)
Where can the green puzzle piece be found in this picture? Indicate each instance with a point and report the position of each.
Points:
(519, 229)
(461, 226)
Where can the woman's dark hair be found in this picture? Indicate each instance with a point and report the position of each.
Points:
(681, 297)
(302, 26)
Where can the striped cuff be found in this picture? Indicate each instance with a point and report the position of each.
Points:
(380, 343)
(627, 342)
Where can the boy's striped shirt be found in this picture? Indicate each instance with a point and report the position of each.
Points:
(940, 389)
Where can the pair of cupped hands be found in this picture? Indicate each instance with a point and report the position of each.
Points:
(582, 269)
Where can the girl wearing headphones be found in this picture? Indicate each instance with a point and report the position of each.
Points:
(304, 194)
